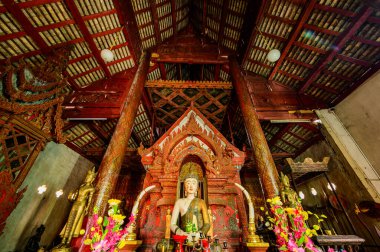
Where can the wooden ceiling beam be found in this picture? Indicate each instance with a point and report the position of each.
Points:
(321, 30)
(91, 70)
(280, 134)
(204, 16)
(30, 4)
(55, 25)
(222, 21)
(131, 33)
(301, 63)
(217, 72)
(366, 41)
(119, 60)
(292, 38)
(339, 11)
(354, 60)
(174, 16)
(336, 75)
(308, 144)
(83, 57)
(328, 89)
(309, 47)
(342, 39)
(99, 14)
(267, 115)
(14, 9)
(153, 9)
(98, 131)
(87, 36)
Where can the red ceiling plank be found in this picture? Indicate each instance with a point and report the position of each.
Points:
(292, 38)
(29, 4)
(260, 63)
(336, 75)
(328, 89)
(296, 136)
(3, 9)
(71, 42)
(300, 63)
(131, 33)
(12, 36)
(86, 34)
(75, 60)
(27, 26)
(341, 41)
(99, 14)
(354, 60)
(18, 57)
(71, 81)
(272, 36)
(55, 25)
(339, 11)
(282, 19)
(174, 16)
(309, 47)
(104, 33)
(322, 30)
(357, 83)
(375, 20)
(296, 77)
(119, 60)
(153, 68)
(153, 9)
(289, 143)
(87, 72)
(283, 115)
(366, 41)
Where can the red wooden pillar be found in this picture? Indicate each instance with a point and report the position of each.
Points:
(264, 160)
(111, 164)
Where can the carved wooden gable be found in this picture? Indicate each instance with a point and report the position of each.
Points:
(192, 134)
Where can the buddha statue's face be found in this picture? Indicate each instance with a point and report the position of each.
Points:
(191, 186)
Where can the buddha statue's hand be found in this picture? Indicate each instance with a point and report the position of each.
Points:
(181, 232)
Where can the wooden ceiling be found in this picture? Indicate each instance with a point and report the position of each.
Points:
(328, 48)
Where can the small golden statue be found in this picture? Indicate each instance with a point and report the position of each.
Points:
(288, 196)
(82, 199)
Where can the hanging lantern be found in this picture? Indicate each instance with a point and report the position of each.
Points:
(273, 55)
(107, 55)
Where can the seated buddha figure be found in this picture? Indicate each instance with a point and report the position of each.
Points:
(288, 196)
(194, 217)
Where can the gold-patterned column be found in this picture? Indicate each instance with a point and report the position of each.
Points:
(264, 160)
(111, 164)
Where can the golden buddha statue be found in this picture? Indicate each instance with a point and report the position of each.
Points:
(193, 212)
(82, 199)
(288, 196)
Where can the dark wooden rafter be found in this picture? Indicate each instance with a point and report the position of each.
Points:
(285, 128)
(148, 107)
(308, 144)
(217, 72)
(254, 32)
(354, 60)
(86, 34)
(98, 131)
(296, 31)
(204, 17)
(222, 21)
(153, 9)
(357, 21)
(174, 16)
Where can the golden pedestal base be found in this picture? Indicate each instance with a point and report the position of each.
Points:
(131, 246)
(257, 246)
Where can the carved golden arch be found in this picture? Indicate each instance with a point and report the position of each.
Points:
(177, 158)
(192, 128)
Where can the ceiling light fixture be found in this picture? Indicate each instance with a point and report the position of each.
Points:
(107, 54)
(273, 54)
(42, 189)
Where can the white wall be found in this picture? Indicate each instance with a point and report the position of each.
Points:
(360, 114)
(58, 167)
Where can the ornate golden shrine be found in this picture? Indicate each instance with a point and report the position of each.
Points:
(193, 138)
